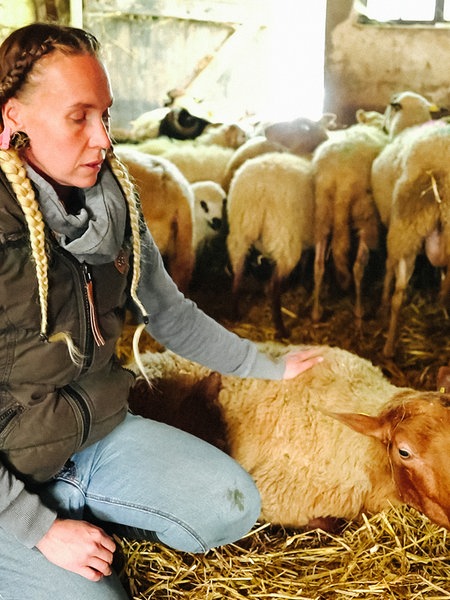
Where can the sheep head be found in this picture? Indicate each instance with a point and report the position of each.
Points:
(415, 428)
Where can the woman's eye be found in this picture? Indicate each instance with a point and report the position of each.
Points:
(78, 118)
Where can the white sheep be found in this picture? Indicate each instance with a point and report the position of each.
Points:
(337, 441)
(344, 201)
(411, 185)
(209, 211)
(270, 207)
(406, 109)
(344, 206)
(299, 136)
(229, 135)
(167, 202)
(196, 161)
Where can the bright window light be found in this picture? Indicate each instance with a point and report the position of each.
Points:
(295, 60)
(404, 10)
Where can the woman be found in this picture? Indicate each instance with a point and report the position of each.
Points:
(74, 255)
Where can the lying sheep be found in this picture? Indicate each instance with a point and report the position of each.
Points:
(196, 161)
(270, 206)
(335, 442)
(299, 136)
(411, 184)
(344, 206)
(229, 135)
(167, 204)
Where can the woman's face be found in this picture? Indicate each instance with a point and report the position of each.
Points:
(65, 113)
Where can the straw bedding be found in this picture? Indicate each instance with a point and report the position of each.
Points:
(397, 554)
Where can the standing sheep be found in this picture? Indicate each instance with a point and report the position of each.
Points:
(344, 205)
(343, 190)
(168, 207)
(337, 441)
(270, 207)
(411, 183)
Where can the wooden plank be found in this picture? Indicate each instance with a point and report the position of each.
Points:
(218, 11)
(236, 45)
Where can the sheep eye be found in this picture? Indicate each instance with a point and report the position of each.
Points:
(404, 453)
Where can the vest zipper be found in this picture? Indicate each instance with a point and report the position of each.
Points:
(89, 287)
(9, 415)
(77, 399)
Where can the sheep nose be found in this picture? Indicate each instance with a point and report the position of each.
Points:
(215, 223)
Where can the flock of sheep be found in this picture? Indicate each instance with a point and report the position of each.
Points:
(303, 184)
(339, 440)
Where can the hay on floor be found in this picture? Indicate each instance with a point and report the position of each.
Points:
(395, 555)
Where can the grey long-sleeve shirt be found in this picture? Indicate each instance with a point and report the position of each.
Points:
(180, 325)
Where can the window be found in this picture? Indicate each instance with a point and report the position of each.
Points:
(404, 12)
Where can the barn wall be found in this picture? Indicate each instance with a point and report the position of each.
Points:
(365, 64)
(242, 57)
(155, 46)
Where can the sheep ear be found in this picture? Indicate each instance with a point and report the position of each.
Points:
(362, 423)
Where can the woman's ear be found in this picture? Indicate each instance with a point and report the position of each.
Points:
(12, 115)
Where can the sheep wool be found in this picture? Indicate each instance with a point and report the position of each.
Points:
(291, 437)
(270, 206)
(167, 204)
(411, 184)
(344, 204)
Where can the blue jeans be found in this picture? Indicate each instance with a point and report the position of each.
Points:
(153, 480)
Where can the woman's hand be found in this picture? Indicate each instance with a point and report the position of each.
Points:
(298, 362)
(79, 547)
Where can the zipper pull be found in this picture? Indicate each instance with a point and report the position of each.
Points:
(99, 340)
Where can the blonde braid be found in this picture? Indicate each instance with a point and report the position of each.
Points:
(121, 172)
(15, 172)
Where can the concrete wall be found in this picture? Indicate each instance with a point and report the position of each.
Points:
(365, 64)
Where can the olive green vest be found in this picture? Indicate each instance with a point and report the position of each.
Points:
(49, 407)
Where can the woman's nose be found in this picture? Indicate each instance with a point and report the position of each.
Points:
(100, 137)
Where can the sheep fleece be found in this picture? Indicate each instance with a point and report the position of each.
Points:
(306, 464)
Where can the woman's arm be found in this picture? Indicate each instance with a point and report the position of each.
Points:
(178, 323)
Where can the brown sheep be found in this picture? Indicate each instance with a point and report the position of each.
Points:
(337, 441)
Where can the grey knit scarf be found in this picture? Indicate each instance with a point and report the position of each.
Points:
(94, 235)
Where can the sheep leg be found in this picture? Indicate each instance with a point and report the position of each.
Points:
(238, 273)
(319, 271)
(403, 272)
(359, 266)
(275, 288)
(387, 285)
(182, 261)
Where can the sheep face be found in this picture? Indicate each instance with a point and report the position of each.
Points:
(415, 428)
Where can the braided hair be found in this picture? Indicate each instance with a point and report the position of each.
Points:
(19, 54)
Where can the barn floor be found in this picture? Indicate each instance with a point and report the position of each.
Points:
(394, 555)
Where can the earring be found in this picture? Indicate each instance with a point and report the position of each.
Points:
(5, 137)
(20, 139)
